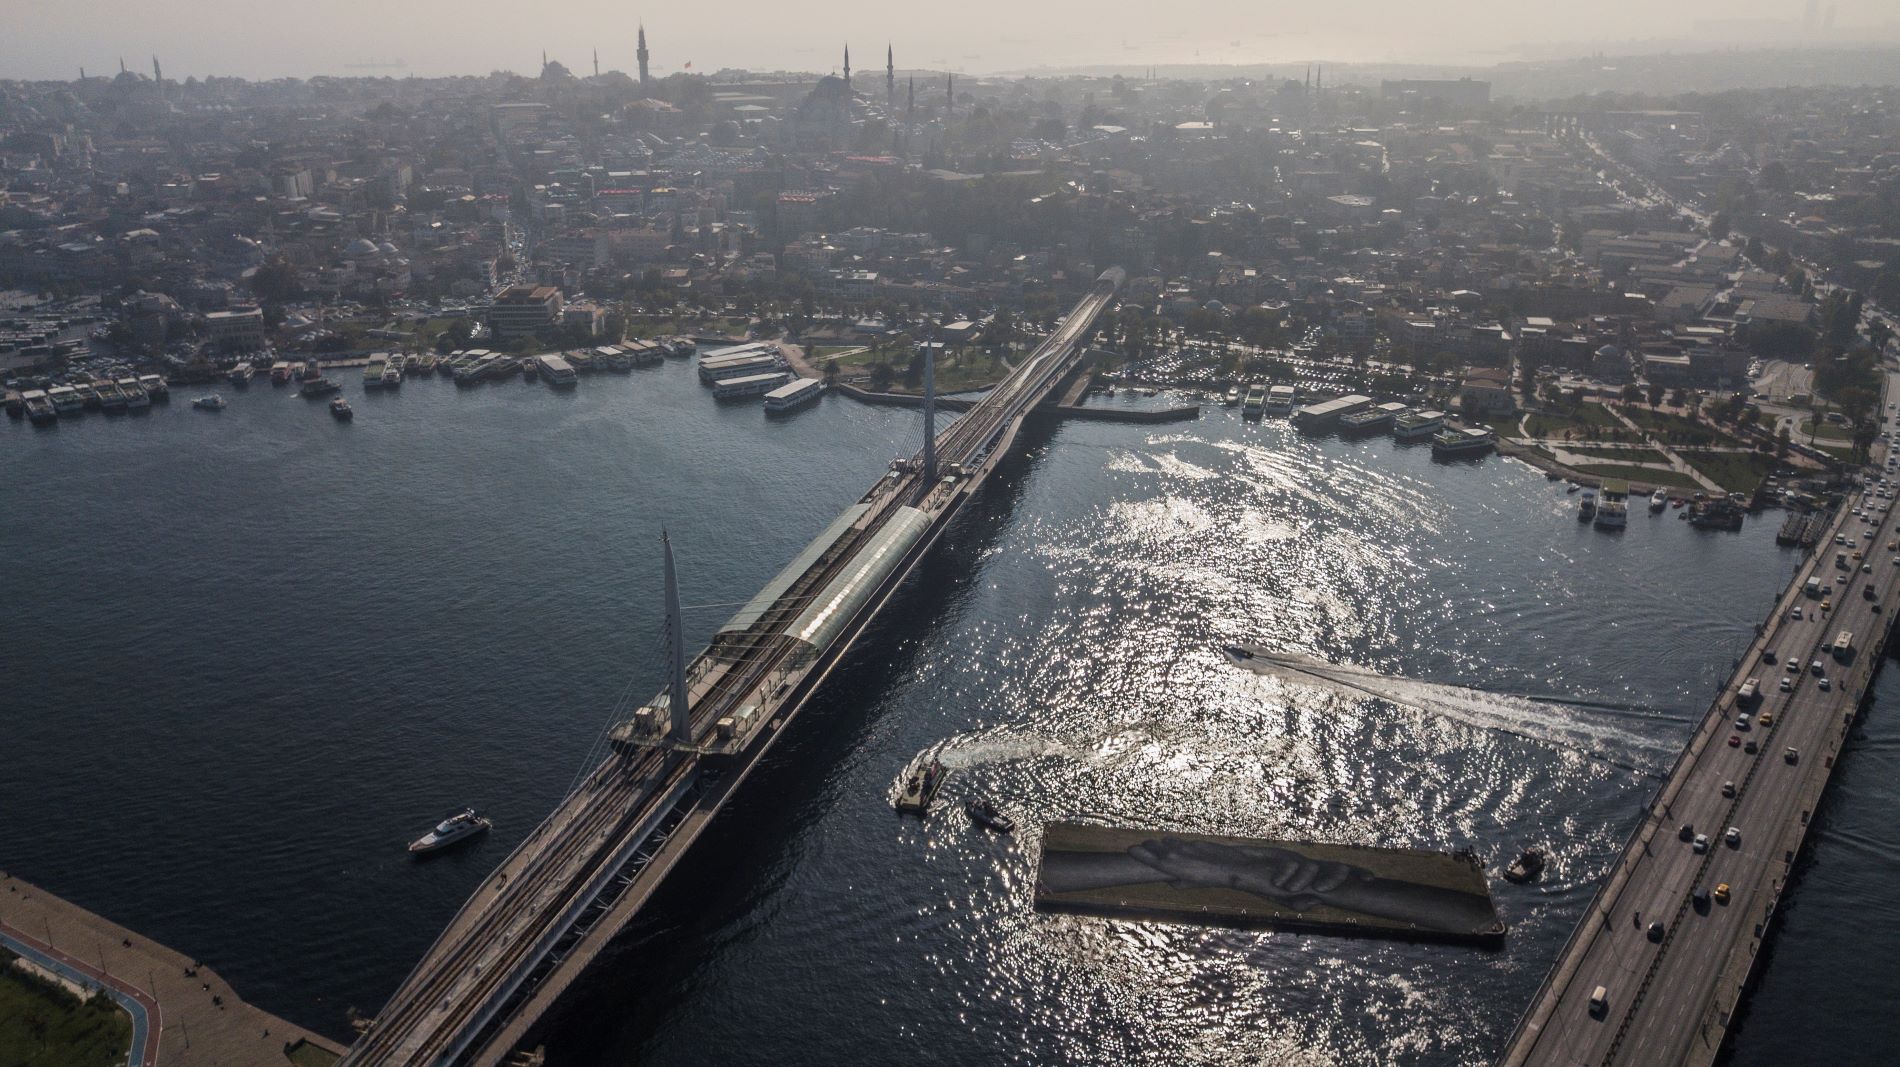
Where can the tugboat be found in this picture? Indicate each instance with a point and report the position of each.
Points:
(461, 826)
(1527, 868)
(920, 788)
(986, 815)
(209, 402)
(340, 408)
(318, 386)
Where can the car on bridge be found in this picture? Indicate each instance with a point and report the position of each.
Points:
(1733, 837)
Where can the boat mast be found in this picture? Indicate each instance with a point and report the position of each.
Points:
(676, 646)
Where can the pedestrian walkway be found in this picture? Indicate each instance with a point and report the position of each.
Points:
(183, 1013)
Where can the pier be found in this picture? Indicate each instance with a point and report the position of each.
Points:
(536, 922)
(1655, 972)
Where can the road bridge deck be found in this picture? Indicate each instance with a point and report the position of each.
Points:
(1670, 995)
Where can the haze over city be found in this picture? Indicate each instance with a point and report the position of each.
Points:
(47, 39)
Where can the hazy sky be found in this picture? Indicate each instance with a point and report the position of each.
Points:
(257, 38)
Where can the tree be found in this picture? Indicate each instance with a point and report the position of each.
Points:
(881, 376)
(1719, 225)
(276, 282)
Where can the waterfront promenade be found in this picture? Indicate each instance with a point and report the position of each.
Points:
(1671, 969)
(183, 1013)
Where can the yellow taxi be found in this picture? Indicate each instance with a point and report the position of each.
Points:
(1721, 893)
(1767, 718)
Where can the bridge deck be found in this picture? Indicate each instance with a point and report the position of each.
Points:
(1673, 1001)
(540, 917)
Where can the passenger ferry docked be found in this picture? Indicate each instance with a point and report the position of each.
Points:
(392, 374)
(749, 385)
(793, 395)
(282, 371)
(65, 400)
(241, 374)
(1280, 399)
(556, 371)
(1256, 400)
(135, 394)
(1613, 506)
(1458, 444)
(1418, 425)
(373, 372)
(155, 386)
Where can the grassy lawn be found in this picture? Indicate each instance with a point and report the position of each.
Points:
(1735, 471)
(1673, 429)
(42, 1025)
(1619, 455)
(1824, 431)
(1585, 419)
(1644, 475)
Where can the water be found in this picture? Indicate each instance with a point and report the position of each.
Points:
(261, 650)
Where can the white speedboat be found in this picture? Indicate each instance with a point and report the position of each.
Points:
(1658, 500)
(209, 402)
(458, 827)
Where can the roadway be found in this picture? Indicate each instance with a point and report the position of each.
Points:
(1671, 997)
(535, 922)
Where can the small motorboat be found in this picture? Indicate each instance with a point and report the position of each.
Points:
(1528, 866)
(460, 826)
(209, 402)
(920, 787)
(1573, 487)
(340, 408)
(986, 815)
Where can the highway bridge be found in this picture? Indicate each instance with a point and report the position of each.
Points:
(1654, 973)
(538, 919)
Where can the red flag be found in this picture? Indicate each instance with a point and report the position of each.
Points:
(689, 65)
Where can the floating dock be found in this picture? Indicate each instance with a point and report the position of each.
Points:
(1410, 894)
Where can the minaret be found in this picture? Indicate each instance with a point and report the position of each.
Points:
(910, 106)
(950, 94)
(596, 62)
(121, 64)
(890, 78)
(641, 54)
(847, 66)
(158, 78)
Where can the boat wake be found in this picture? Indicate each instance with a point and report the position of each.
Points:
(1551, 720)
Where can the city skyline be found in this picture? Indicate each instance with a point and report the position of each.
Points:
(49, 42)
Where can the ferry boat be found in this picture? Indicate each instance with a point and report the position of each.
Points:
(1256, 400)
(65, 400)
(155, 386)
(373, 372)
(530, 369)
(135, 394)
(1658, 500)
(921, 783)
(282, 371)
(1458, 444)
(38, 407)
(1280, 399)
(1418, 425)
(1371, 420)
(340, 408)
(681, 347)
(392, 374)
(794, 395)
(241, 374)
(557, 371)
(461, 826)
(88, 396)
(312, 370)
(1613, 506)
(209, 402)
(111, 397)
(749, 385)
(1587, 507)
(319, 386)
(1233, 396)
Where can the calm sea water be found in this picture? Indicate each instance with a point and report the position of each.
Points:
(248, 655)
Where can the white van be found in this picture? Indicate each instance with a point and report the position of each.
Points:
(1599, 1001)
